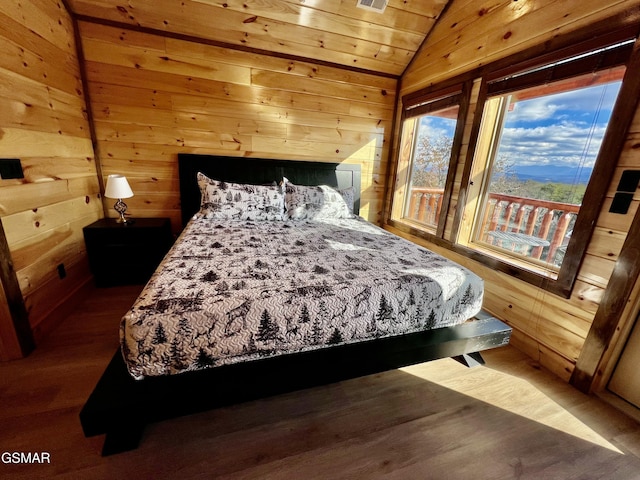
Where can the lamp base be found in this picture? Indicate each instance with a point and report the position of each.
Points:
(121, 208)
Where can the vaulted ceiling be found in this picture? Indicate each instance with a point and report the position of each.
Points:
(332, 31)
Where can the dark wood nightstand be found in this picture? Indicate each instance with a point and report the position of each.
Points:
(126, 254)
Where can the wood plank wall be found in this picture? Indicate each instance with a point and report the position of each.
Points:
(43, 123)
(471, 34)
(154, 96)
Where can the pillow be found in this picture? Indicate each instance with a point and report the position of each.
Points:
(235, 201)
(319, 202)
(349, 195)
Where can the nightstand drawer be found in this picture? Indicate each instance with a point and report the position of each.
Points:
(126, 254)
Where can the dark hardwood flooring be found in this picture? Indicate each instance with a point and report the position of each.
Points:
(438, 420)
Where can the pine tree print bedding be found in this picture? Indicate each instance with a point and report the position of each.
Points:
(233, 291)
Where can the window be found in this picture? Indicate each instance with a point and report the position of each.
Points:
(430, 144)
(538, 144)
(523, 192)
(545, 141)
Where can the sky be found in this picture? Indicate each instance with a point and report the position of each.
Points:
(437, 126)
(563, 129)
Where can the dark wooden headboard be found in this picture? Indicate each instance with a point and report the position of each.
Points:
(259, 171)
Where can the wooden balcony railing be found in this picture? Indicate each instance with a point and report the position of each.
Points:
(536, 228)
(425, 205)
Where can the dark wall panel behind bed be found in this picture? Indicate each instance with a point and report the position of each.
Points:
(259, 171)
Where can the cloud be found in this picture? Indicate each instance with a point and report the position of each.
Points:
(436, 127)
(560, 129)
(567, 143)
(572, 104)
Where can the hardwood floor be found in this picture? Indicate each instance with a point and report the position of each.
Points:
(438, 420)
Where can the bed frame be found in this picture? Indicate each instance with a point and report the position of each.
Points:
(120, 407)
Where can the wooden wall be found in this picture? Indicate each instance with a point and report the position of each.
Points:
(44, 124)
(154, 96)
(471, 34)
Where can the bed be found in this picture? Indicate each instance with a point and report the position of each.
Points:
(261, 297)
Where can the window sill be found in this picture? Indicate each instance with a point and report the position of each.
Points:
(540, 278)
(518, 261)
(422, 227)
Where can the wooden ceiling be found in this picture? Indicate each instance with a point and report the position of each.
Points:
(331, 31)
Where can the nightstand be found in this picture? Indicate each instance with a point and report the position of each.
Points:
(126, 254)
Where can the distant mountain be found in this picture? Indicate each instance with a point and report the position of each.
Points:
(553, 174)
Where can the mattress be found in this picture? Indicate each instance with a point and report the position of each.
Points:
(235, 291)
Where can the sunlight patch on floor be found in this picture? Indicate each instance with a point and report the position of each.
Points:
(497, 389)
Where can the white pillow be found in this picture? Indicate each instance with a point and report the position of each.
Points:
(349, 195)
(318, 202)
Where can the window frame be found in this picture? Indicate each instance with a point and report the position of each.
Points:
(416, 105)
(510, 79)
(567, 46)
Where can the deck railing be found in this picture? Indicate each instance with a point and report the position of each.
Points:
(539, 229)
(425, 205)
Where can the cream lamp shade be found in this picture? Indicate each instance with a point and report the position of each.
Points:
(118, 187)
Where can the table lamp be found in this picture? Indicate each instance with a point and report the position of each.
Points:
(118, 187)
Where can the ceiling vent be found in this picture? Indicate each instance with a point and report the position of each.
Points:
(373, 5)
